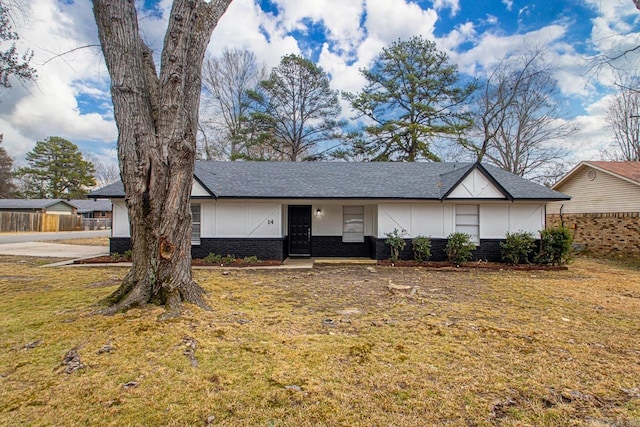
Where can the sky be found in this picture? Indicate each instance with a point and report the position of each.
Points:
(71, 96)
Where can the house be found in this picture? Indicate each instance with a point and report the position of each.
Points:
(339, 209)
(96, 214)
(604, 210)
(96, 208)
(48, 206)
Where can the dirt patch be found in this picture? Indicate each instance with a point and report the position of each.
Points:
(111, 259)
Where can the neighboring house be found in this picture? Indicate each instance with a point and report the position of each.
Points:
(48, 206)
(604, 210)
(97, 209)
(340, 209)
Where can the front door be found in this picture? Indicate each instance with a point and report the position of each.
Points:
(300, 230)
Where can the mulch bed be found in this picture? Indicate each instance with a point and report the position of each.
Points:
(470, 265)
(436, 265)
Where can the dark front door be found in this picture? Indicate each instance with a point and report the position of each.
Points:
(300, 230)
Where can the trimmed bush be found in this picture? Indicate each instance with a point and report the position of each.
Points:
(396, 243)
(459, 248)
(421, 248)
(555, 246)
(517, 247)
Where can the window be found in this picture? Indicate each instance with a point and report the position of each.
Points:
(467, 221)
(353, 224)
(195, 229)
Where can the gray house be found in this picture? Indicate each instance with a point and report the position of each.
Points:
(338, 209)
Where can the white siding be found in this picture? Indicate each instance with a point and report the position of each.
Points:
(496, 220)
(426, 219)
(329, 223)
(246, 219)
(476, 186)
(438, 220)
(603, 193)
(120, 221)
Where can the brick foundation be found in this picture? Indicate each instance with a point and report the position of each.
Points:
(615, 233)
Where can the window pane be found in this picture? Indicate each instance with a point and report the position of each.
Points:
(195, 228)
(468, 221)
(353, 223)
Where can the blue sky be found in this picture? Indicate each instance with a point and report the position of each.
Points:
(71, 97)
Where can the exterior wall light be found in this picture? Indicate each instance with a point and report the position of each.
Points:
(319, 212)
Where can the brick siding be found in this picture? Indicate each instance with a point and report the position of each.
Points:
(615, 233)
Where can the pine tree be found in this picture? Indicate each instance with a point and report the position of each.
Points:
(412, 97)
(56, 170)
(7, 187)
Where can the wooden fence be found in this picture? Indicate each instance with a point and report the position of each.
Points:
(11, 222)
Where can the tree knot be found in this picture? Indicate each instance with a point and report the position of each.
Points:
(166, 248)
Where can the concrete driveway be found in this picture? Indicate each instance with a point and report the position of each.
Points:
(52, 250)
(29, 244)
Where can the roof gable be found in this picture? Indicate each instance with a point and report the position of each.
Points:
(476, 185)
(627, 171)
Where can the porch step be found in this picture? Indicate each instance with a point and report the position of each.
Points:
(332, 260)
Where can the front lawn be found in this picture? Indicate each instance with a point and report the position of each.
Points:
(337, 345)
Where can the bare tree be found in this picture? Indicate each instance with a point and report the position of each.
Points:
(157, 118)
(226, 80)
(519, 124)
(623, 115)
(105, 172)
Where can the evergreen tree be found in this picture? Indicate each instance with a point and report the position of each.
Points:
(56, 170)
(7, 187)
(412, 97)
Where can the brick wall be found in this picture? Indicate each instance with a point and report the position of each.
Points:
(615, 233)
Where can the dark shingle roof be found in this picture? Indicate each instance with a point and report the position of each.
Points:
(343, 180)
(29, 203)
(92, 205)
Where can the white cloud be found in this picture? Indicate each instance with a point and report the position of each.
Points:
(49, 107)
(452, 5)
(355, 32)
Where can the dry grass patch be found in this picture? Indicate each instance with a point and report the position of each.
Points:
(89, 241)
(331, 346)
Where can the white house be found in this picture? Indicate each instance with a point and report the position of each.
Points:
(339, 209)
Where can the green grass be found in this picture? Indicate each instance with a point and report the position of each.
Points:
(468, 348)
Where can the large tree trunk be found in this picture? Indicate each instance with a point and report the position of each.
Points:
(157, 119)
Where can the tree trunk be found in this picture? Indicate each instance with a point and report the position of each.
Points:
(157, 119)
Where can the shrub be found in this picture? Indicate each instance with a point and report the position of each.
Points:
(459, 247)
(396, 242)
(421, 248)
(125, 256)
(212, 258)
(555, 246)
(229, 259)
(517, 247)
(251, 259)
